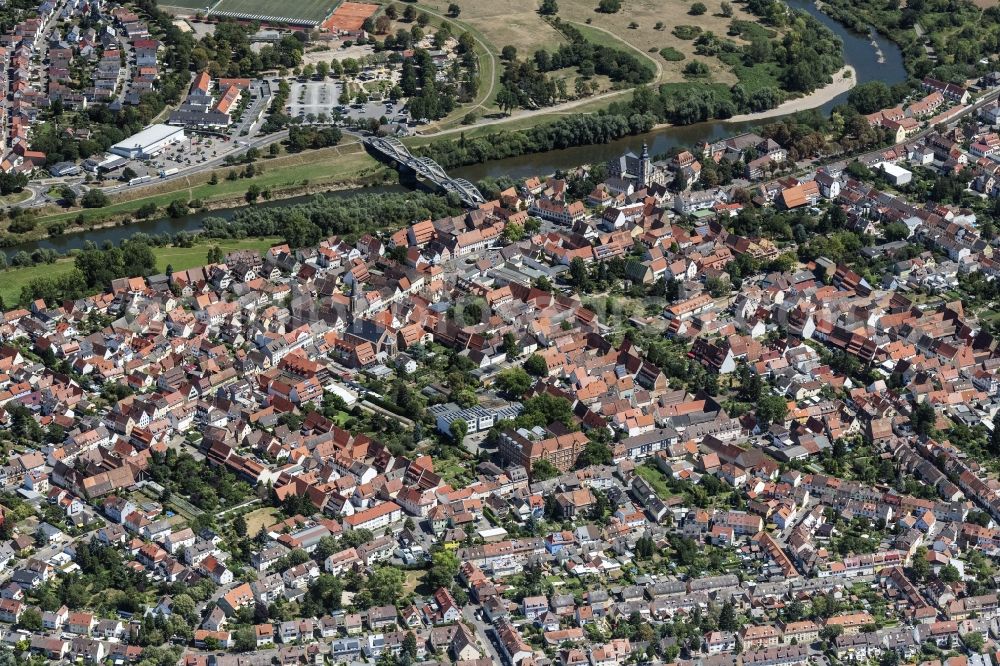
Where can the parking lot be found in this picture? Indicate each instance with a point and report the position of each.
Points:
(260, 98)
(192, 151)
(313, 97)
(316, 97)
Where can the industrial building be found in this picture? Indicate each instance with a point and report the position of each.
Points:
(148, 142)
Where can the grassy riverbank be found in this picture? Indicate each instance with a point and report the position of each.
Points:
(180, 258)
(285, 176)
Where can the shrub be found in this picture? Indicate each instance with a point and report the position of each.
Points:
(696, 69)
(670, 54)
(687, 32)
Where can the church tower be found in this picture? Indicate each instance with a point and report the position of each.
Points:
(645, 167)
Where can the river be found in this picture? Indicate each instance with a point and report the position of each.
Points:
(858, 52)
(169, 225)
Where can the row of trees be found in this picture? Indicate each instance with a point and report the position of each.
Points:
(305, 224)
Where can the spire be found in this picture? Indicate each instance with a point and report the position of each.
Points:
(645, 168)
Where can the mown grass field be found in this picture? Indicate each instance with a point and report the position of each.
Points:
(13, 280)
(303, 10)
(186, 4)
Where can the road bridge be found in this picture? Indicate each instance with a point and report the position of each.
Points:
(393, 150)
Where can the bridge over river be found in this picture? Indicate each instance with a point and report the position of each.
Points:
(393, 150)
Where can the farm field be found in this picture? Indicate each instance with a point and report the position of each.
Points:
(297, 10)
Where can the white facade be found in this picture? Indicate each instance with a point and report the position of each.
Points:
(149, 141)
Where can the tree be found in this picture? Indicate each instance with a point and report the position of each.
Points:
(68, 196)
(595, 453)
(578, 273)
(513, 232)
(726, 9)
(95, 198)
(244, 640)
(31, 619)
(697, 9)
(771, 409)
(609, 6)
(645, 547)
(185, 607)
(454, 10)
(458, 429)
(920, 566)
(949, 574)
(386, 585)
(252, 193)
(514, 382)
(923, 418)
(509, 53)
(240, 525)
(548, 8)
(727, 617)
(178, 208)
(543, 469)
(444, 568)
(871, 96)
(536, 365)
(410, 640)
(973, 641)
(507, 99)
(409, 14)
(830, 632)
(215, 255)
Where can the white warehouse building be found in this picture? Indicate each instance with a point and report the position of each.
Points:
(897, 175)
(149, 141)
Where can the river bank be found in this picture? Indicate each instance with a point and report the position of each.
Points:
(289, 176)
(843, 80)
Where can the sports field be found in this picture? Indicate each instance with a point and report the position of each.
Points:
(194, 5)
(350, 16)
(300, 12)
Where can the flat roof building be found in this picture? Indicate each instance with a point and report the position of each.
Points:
(149, 141)
(897, 175)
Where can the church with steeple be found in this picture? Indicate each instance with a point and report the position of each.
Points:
(636, 171)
